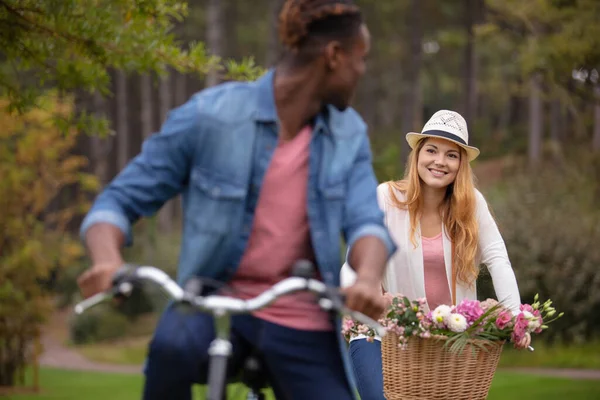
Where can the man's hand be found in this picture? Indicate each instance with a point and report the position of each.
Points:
(97, 279)
(104, 242)
(365, 297)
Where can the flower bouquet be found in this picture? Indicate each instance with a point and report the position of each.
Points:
(424, 354)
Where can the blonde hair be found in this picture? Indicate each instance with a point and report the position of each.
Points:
(458, 211)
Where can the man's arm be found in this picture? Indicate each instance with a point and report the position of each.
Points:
(369, 242)
(156, 175)
(369, 254)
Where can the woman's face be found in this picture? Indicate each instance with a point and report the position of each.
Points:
(438, 162)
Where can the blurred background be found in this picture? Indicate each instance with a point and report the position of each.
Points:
(83, 82)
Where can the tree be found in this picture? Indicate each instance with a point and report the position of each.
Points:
(72, 44)
(62, 47)
(33, 241)
(555, 38)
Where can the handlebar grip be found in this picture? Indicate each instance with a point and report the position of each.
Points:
(125, 273)
(92, 301)
(123, 283)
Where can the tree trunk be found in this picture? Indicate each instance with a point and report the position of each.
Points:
(122, 131)
(411, 101)
(214, 36)
(166, 213)
(100, 146)
(146, 105)
(535, 119)
(555, 117)
(273, 39)
(596, 136)
(469, 108)
(180, 95)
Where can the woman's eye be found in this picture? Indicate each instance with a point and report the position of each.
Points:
(430, 151)
(452, 155)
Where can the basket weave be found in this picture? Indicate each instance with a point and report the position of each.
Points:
(426, 370)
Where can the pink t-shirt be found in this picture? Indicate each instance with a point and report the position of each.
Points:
(436, 282)
(280, 236)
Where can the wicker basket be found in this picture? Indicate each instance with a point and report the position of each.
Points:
(426, 370)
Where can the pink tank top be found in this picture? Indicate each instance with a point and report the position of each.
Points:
(437, 290)
(280, 236)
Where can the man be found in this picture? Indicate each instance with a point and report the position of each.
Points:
(271, 172)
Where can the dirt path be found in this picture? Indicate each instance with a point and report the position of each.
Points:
(59, 356)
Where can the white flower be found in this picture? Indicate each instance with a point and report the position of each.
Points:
(441, 314)
(457, 322)
(534, 322)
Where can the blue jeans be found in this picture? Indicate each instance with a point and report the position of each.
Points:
(366, 363)
(300, 364)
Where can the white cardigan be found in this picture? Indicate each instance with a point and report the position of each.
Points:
(405, 273)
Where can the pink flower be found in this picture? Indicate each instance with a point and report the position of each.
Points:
(503, 320)
(389, 298)
(526, 307)
(524, 341)
(399, 330)
(520, 329)
(348, 324)
(470, 309)
(426, 324)
(488, 303)
(539, 329)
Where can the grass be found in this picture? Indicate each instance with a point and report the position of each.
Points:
(72, 385)
(580, 356)
(125, 352)
(522, 386)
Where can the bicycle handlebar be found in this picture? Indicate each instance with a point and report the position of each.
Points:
(219, 305)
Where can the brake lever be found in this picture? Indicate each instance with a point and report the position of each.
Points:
(122, 289)
(122, 286)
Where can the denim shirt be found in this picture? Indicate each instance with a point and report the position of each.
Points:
(214, 151)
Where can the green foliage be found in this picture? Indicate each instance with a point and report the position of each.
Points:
(35, 166)
(73, 44)
(97, 325)
(553, 37)
(551, 224)
(386, 163)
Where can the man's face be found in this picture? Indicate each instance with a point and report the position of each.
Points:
(345, 67)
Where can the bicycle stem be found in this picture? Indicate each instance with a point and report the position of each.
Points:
(219, 351)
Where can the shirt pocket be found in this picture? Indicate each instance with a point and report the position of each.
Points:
(336, 191)
(216, 202)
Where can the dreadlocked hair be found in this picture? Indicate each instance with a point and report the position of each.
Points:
(302, 20)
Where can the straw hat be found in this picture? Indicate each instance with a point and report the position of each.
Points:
(448, 125)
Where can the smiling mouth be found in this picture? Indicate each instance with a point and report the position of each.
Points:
(437, 173)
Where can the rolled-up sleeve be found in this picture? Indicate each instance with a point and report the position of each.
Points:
(157, 174)
(362, 214)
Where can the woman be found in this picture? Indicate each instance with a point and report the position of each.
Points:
(437, 218)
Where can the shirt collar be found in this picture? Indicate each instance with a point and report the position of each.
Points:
(266, 110)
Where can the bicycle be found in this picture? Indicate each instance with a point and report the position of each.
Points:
(223, 307)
